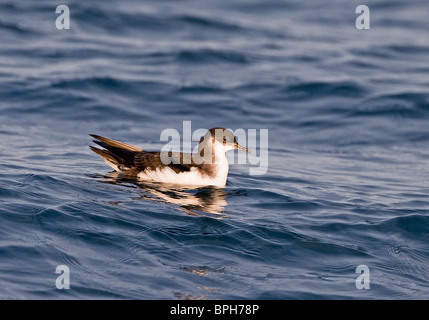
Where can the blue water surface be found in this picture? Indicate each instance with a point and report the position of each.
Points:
(347, 113)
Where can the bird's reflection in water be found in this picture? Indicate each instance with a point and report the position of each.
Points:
(193, 200)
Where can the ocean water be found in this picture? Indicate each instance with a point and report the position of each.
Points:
(347, 184)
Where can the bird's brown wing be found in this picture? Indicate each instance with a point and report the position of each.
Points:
(125, 157)
(152, 160)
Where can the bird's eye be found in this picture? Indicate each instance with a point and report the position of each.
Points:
(224, 139)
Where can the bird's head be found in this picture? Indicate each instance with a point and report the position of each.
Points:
(221, 140)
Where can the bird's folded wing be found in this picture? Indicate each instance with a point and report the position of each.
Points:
(147, 160)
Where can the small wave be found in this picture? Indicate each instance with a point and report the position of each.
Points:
(200, 89)
(103, 82)
(331, 249)
(408, 49)
(205, 22)
(270, 199)
(15, 29)
(110, 83)
(211, 55)
(412, 226)
(315, 90)
(405, 105)
(94, 19)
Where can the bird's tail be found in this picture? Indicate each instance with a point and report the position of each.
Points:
(118, 155)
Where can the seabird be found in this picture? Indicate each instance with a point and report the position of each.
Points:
(207, 167)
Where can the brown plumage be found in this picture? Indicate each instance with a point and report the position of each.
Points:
(130, 159)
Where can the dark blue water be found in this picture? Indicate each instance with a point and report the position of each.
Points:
(348, 180)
